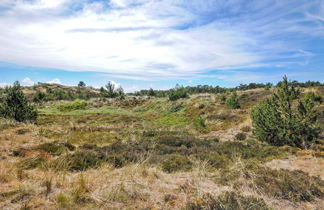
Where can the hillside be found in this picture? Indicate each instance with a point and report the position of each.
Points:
(152, 153)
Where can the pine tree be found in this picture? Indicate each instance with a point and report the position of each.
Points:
(233, 102)
(16, 106)
(285, 119)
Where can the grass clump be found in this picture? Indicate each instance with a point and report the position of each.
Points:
(78, 161)
(176, 162)
(62, 201)
(32, 162)
(227, 201)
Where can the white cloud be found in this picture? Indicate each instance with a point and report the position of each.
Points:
(4, 84)
(54, 81)
(148, 39)
(116, 84)
(28, 81)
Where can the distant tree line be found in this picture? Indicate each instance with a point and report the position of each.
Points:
(47, 93)
(182, 92)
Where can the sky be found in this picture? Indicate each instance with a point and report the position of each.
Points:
(140, 44)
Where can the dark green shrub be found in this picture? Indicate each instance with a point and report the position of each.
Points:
(39, 97)
(55, 148)
(279, 121)
(240, 136)
(177, 93)
(222, 98)
(176, 108)
(233, 102)
(15, 105)
(176, 162)
(81, 84)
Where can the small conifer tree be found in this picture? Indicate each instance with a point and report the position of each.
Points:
(16, 106)
(285, 119)
(233, 102)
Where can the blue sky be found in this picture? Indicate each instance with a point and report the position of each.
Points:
(159, 43)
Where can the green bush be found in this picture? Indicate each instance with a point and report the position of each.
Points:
(176, 162)
(233, 102)
(15, 105)
(70, 106)
(177, 93)
(285, 119)
(39, 97)
(240, 136)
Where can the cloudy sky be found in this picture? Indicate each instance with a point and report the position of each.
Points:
(158, 43)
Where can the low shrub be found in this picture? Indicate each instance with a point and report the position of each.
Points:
(290, 185)
(240, 136)
(70, 106)
(176, 162)
(246, 129)
(227, 201)
(233, 102)
(78, 161)
(55, 148)
(176, 108)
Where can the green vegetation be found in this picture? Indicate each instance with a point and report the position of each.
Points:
(233, 102)
(176, 162)
(285, 119)
(240, 136)
(70, 106)
(15, 105)
(177, 93)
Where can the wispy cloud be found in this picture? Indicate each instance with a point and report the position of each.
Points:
(148, 39)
